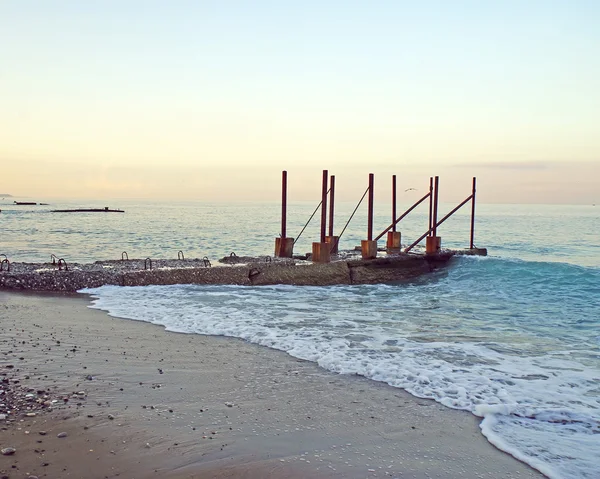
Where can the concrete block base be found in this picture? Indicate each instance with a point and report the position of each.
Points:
(284, 247)
(393, 240)
(320, 253)
(368, 249)
(433, 244)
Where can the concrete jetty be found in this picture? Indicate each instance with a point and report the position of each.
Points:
(347, 268)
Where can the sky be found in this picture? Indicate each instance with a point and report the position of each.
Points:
(211, 100)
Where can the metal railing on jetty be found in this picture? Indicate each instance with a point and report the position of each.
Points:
(329, 243)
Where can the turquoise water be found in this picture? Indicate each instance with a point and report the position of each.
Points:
(513, 338)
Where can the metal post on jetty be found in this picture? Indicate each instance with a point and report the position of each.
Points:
(433, 242)
(332, 240)
(368, 247)
(472, 245)
(320, 249)
(393, 237)
(430, 203)
(284, 246)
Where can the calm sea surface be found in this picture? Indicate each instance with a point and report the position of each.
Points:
(513, 338)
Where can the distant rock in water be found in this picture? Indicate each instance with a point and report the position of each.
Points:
(106, 209)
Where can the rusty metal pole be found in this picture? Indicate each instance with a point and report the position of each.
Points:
(331, 203)
(324, 206)
(435, 205)
(371, 196)
(284, 246)
(473, 213)
(430, 203)
(283, 203)
(394, 203)
(368, 247)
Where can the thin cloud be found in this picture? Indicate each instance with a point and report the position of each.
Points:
(508, 165)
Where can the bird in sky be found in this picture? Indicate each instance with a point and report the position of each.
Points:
(409, 189)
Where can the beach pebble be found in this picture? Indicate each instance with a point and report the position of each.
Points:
(61, 434)
(8, 451)
(111, 417)
(2, 417)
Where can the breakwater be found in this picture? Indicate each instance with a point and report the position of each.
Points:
(233, 270)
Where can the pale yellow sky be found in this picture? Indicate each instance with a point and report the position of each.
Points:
(189, 102)
(568, 182)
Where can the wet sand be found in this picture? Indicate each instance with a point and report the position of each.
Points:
(160, 404)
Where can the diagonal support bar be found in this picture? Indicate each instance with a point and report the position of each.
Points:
(403, 215)
(434, 227)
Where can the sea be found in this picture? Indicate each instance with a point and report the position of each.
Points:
(513, 337)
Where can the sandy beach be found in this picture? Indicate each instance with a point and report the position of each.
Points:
(136, 401)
